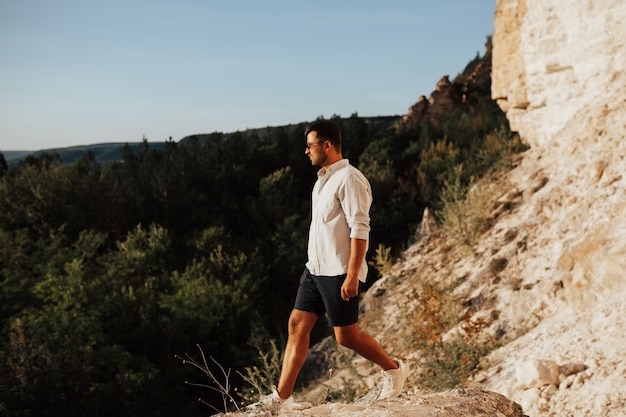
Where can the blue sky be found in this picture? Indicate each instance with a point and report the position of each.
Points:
(80, 72)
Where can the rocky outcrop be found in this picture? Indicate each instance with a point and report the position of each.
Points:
(455, 403)
(559, 74)
(448, 94)
(552, 59)
(445, 96)
(549, 278)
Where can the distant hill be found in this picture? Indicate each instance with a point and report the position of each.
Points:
(376, 122)
(10, 156)
(110, 152)
(104, 152)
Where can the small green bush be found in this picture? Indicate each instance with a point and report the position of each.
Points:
(264, 376)
(383, 260)
(464, 211)
(448, 357)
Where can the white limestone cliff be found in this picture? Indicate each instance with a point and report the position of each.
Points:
(559, 72)
(553, 58)
(560, 217)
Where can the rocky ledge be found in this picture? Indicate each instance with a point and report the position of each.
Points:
(454, 403)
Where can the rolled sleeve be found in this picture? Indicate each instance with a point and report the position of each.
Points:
(356, 201)
(360, 231)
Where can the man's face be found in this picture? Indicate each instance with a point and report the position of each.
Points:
(316, 149)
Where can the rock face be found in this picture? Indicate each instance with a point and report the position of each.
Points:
(549, 277)
(444, 97)
(448, 94)
(455, 403)
(552, 59)
(559, 73)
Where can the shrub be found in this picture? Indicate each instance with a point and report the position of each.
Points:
(262, 377)
(383, 260)
(450, 352)
(464, 211)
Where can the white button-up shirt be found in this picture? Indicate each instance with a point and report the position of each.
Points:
(342, 197)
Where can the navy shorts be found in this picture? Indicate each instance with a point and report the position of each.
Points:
(322, 295)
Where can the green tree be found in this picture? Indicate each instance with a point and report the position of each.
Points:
(215, 300)
(437, 166)
(58, 361)
(4, 168)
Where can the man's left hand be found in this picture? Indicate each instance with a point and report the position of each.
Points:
(350, 288)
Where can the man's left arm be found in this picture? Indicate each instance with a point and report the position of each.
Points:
(350, 287)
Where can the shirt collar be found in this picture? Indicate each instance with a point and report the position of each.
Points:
(332, 168)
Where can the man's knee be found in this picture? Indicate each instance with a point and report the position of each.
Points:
(300, 322)
(347, 336)
(294, 325)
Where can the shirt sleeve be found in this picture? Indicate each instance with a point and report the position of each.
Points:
(356, 200)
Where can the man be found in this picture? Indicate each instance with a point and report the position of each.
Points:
(338, 242)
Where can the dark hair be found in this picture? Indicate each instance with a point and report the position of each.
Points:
(326, 130)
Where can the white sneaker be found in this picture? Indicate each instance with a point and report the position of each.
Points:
(271, 402)
(393, 381)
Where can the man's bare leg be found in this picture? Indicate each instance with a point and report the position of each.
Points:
(365, 345)
(299, 335)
